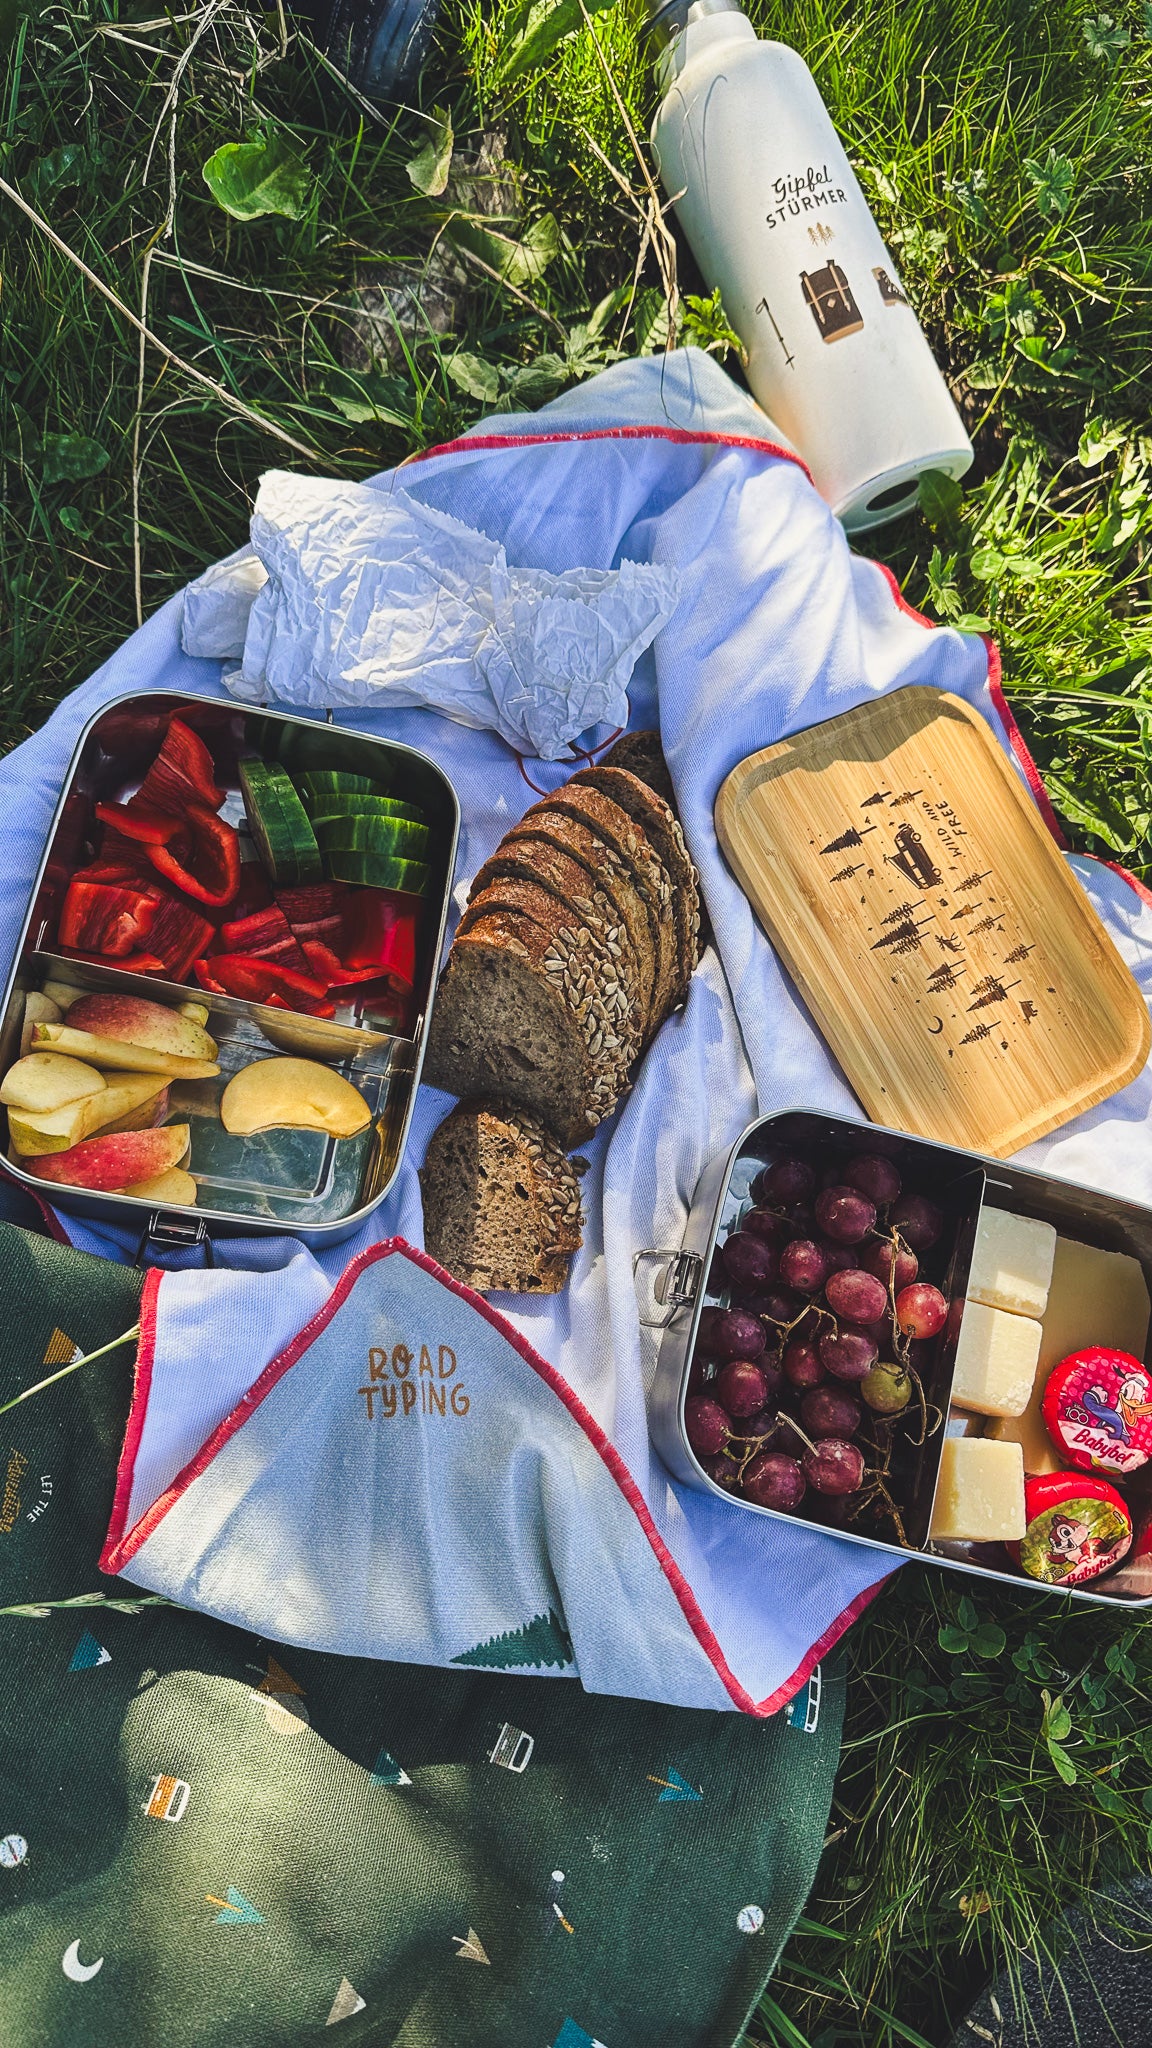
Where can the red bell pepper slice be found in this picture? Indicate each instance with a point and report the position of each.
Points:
(328, 968)
(310, 902)
(181, 774)
(106, 917)
(178, 935)
(140, 821)
(380, 932)
(256, 981)
(267, 935)
(131, 963)
(213, 871)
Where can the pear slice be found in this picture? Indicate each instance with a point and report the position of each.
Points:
(175, 1187)
(292, 1095)
(116, 1053)
(44, 1081)
(129, 1101)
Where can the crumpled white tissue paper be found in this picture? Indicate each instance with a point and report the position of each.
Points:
(371, 598)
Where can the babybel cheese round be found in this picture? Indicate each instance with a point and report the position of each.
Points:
(1098, 1410)
(1078, 1527)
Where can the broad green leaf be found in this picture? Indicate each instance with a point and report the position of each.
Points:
(386, 400)
(252, 178)
(969, 196)
(954, 1640)
(521, 262)
(61, 168)
(67, 458)
(1052, 183)
(1093, 812)
(1100, 438)
(607, 310)
(472, 374)
(545, 25)
(966, 1612)
(1065, 1768)
(986, 564)
(430, 166)
(988, 1640)
(940, 498)
(651, 321)
(73, 521)
(1057, 1719)
(535, 383)
(1111, 1800)
(1104, 38)
(972, 622)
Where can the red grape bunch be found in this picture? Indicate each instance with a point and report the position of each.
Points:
(813, 1350)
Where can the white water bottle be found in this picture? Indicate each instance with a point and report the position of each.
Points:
(775, 217)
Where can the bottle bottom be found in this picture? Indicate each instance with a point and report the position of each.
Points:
(878, 499)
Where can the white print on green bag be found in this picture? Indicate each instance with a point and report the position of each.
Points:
(395, 1389)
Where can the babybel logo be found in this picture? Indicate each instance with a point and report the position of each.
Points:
(167, 1799)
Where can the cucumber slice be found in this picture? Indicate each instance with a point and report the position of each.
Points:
(279, 825)
(399, 838)
(325, 808)
(334, 782)
(376, 871)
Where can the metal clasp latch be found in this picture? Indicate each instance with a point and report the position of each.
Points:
(677, 1285)
(171, 1233)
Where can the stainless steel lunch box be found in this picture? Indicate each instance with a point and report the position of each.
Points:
(959, 1181)
(317, 1188)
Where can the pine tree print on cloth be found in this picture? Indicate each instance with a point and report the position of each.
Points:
(89, 1653)
(236, 1910)
(544, 1641)
(346, 2002)
(675, 1787)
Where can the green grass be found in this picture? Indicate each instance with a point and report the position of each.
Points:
(1007, 148)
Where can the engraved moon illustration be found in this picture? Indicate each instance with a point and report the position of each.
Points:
(74, 1968)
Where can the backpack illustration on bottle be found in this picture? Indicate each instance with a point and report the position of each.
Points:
(833, 307)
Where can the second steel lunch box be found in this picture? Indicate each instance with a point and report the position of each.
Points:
(961, 1182)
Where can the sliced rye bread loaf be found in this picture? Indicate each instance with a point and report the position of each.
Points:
(599, 815)
(605, 893)
(596, 954)
(611, 873)
(513, 1017)
(649, 811)
(642, 754)
(501, 1201)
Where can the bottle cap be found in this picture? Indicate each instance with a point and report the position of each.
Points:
(1097, 1408)
(1078, 1527)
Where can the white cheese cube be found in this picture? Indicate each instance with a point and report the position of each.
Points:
(1012, 1263)
(1095, 1298)
(980, 1493)
(995, 1360)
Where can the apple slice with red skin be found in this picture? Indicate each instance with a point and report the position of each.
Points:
(135, 1021)
(110, 1164)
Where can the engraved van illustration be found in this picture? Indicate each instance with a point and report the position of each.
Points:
(890, 291)
(913, 860)
(513, 1749)
(830, 297)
